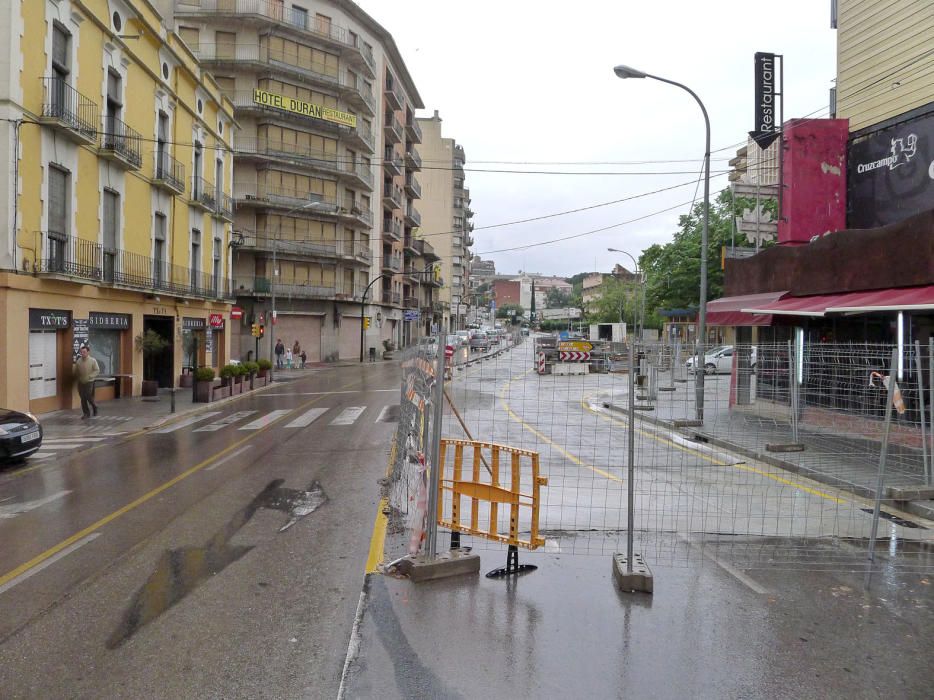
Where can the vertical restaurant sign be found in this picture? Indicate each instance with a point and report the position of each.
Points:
(767, 128)
(82, 334)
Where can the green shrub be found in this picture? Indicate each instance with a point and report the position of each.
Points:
(251, 367)
(241, 371)
(228, 371)
(264, 363)
(204, 374)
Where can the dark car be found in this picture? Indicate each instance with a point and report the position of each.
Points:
(20, 435)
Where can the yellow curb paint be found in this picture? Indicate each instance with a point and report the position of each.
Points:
(378, 539)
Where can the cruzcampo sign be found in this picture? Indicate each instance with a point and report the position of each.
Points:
(307, 109)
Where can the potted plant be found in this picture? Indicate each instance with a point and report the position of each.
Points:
(251, 369)
(204, 382)
(239, 373)
(264, 367)
(388, 347)
(228, 372)
(150, 344)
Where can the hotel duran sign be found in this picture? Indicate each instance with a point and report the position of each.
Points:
(307, 109)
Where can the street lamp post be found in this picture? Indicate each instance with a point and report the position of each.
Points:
(313, 204)
(640, 326)
(362, 310)
(627, 72)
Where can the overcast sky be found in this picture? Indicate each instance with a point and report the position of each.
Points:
(528, 85)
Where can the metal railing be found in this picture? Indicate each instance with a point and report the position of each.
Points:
(413, 159)
(392, 228)
(70, 108)
(261, 193)
(78, 258)
(202, 192)
(261, 286)
(393, 93)
(223, 205)
(413, 186)
(393, 194)
(392, 126)
(262, 53)
(394, 298)
(168, 170)
(301, 155)
(392, 262)
(265, 239)
(122, 140)
(413, 129)
(412, 214)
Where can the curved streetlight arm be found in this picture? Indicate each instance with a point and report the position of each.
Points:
(362, 310)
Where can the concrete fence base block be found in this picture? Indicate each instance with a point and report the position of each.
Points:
(646, 407)
(911, 493)
(687, 423)
(666, 388)
(639, 579)
(455, 562)
(791, 447)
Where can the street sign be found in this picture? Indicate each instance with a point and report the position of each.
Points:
(411, 315)
(575, 346)
(573, 356)
(449, 351)
(216, 320)
(236, 312)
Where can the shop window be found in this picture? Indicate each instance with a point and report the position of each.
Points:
(105, 347)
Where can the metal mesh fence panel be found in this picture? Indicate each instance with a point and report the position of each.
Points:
(781, 471)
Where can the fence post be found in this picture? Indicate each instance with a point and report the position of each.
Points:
(630, 486)
(883, 456)
(930, 468)
(437, 397)
(924, 442)
(793, 393)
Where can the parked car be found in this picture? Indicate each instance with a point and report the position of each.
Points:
(719, 360)
(20, 435)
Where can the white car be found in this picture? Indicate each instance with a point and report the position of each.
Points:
(719, 360)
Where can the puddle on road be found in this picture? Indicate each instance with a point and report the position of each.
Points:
(179, 571)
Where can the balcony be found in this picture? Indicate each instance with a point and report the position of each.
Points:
(393, 93)
(392, 129)
(410, 245)
(203, 193)
(262, 57)
(412, 129)
(392, 263)
(426, 250)
(265, 239)
(223, 208)
(68, 110)
(393, 298)
(412, 187)
(393, 197)
(412, 159)
(356, 212)
(359, 174)
(468, 240)
(413, 274)
(86, 261)
(412, 217)
(261, 286)
(168, 173)
(356, 251)
(361, 97)
(361, 136)
(392, 164)
(121, 144)
(263, 195)
(270, 150)
(392, 229)
(410, 302)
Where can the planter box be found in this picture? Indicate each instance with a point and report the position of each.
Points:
(220, 392)
(185, 381)
(203, 391)
(149, 387)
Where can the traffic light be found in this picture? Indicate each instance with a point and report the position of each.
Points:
(254, 330)
(262, 330)
(366, 321)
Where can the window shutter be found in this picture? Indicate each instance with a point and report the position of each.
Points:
(59, 47)
(58, 189)
(111, 200)
(160, 227)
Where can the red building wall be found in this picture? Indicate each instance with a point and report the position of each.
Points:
(814, 199)
(506, 292)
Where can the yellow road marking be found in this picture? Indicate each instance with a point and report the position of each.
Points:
(22, 568)
(378, 539)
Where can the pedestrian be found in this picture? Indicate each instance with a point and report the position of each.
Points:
(296, 349)
(304, 358)
(280, 351)
(86, 371)
(288, 357)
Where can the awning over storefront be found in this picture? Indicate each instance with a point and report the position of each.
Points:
(728, 311)
(903, 299)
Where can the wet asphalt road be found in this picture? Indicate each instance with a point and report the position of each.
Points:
(223, 558)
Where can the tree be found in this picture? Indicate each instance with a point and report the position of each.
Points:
(512, 311)
(620, 301)
(557, 298)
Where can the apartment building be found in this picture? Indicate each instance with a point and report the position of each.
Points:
(116, 201)
(324, 175)
(447, 219)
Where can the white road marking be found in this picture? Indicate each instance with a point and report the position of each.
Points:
(14, 509)
(224, 422)
(72, 439)
(229, 457)
(382, 414)
(737, 574)
(40, 455)
(266, 420)
(326, 393)
(307, 418)
(348, 415)
(70, 445)
(48, 562)
(188, 421)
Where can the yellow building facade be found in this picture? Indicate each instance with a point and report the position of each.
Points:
(117, 208)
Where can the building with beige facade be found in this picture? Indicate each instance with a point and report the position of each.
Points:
(325, 170)
(116, 200)
(446, 216)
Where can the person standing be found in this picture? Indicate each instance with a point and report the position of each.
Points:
(280, 351)
(296, 351)
(288, 358)
(86, 371)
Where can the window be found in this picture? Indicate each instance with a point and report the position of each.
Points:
(158, 251)
(58, 218)
(323, 24)
(195, 258)
(113, 126)
(216, 272)
(190, 36)
(196, 176)
(162, 137)
(60, 69)
(227, 85)
(299, 16)
(219, 181)
(225, 44)
(111, 204)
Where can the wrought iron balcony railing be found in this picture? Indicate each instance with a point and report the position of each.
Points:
(202, 192)
(121, 142)
(65, 107)
(168, 172)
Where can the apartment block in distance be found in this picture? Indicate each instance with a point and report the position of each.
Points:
(447, 219)
(323, 185)
(115, 201)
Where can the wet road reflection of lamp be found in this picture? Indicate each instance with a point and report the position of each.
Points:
(313, 204)
(627, 72)
(640, 326)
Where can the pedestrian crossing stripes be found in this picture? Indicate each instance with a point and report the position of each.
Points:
(188, 421)
(263, 421)
(307, 418)
(224, 422)
(69, 443)
(349, 415)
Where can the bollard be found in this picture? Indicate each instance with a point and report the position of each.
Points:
(173, 400)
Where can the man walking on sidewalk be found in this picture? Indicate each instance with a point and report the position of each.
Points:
(86, 371)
